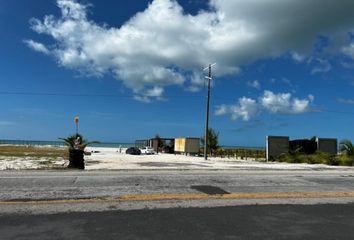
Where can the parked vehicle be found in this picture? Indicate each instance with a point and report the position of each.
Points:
(168, 149)
(133, 151)
(147, 150)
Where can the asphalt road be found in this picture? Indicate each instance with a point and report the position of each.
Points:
(52, 192)
(238, 204)
(25, 185)
(241, 222)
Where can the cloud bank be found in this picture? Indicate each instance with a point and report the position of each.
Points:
(281, 103)
(164, 46)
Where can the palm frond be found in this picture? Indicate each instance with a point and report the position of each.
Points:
(72, 143)
(347, 147)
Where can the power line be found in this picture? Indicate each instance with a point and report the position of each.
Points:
(197, 97)
(59, 94)
(91, 95)
(339, 112)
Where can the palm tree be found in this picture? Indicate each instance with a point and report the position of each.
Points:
(76, 144)
(77, 141)
(347, 147)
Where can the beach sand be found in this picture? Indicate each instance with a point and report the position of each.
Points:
(116, 159)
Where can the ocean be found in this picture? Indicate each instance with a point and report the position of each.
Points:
(61, 143)
(108, 145)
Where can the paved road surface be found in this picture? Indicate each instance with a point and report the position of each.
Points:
(77, 184)
(239, 204)
(242, 222)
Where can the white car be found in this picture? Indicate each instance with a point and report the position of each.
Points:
(147, 150)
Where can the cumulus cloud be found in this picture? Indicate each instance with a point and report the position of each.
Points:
(163, 45)
(245, 109)
(254, 84)
(155, 92)
(311, 97)
(297, 57)
(39, 47)
(323, 66)
(281, 103)
(349, 50)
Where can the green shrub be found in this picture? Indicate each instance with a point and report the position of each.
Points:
(316, 158)
(345, 160)
(242, 153)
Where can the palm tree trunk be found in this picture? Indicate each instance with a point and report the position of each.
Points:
(76, 159)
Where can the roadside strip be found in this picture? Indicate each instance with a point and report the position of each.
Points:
(197, 196)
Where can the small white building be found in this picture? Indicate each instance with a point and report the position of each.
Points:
(187, 145)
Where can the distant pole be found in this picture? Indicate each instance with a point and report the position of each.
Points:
(207, 112)
(76, 120)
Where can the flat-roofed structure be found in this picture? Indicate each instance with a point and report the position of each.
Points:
(327, 145)
(187, 145)
(276, 145)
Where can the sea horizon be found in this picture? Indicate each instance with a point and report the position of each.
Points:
(102, 144)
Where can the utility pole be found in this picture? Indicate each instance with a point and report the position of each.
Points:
(209, 77)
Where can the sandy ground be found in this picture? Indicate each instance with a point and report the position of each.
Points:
(116, 159)
(111, 158)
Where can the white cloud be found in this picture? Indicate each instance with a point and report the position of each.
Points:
(281, 103)
(39, 47)
(155, 92)
(254, 84)
(349, 50)
(246, 109)
(197, 81)
(349, 65)
(275, 103)
(297, 57)
(221, 110)
(322, 67)
(284, 103)
(163, 46)
(346, 101)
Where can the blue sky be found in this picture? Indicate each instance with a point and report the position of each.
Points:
(131, 69)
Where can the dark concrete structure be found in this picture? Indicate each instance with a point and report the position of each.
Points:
(327, 145)
(303, 146)
(276, 145)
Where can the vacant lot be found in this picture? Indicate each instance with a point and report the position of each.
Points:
(14, 157)
(31, 151)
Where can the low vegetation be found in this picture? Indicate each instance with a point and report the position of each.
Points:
(213, 142)
(241, 153)
(316, 158)
(33, 152)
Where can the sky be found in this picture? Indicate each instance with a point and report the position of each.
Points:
(134, 69)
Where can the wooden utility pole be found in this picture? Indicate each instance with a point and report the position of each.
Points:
(209, 77)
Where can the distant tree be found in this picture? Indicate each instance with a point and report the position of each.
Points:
(213, 141)
(347, 147)
(160, 142)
